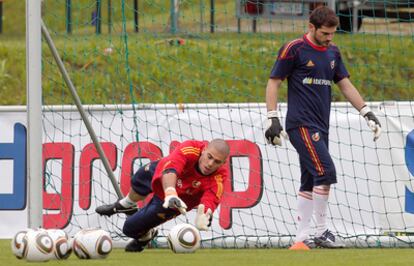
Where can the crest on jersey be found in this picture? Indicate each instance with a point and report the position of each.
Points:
(315, 136)
(196, 184)
(332, 64)
(179, 183)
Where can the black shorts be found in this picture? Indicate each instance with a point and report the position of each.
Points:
(316, 165)
(141, 181)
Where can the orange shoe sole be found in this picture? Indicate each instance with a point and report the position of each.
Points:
(299, 246)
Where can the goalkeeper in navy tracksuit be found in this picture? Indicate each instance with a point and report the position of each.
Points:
(192, 176)
(310, 64)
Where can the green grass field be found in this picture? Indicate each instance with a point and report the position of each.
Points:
(239, 257)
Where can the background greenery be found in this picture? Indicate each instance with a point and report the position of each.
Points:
(146, 67)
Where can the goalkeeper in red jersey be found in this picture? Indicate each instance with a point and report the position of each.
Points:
(192, 176)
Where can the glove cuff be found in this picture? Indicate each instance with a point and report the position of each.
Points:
(273, 114)
(170, 191)
(364, 111)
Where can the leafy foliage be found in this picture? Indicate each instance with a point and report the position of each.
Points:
(157, 67)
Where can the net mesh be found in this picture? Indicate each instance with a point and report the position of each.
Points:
(154, 72)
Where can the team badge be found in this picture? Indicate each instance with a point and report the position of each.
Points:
(315, 136)
(332, 64)
(196, 184)
(179, 183)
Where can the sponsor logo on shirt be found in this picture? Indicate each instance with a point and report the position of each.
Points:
(315, 81)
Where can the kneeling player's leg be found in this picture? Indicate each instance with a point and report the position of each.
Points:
(140, 185)
(140, 226)
(140, 188)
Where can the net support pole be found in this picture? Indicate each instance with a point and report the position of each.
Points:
(81, 110)
(109, 16)
(174, 7)
(332, 4)
(355, 18)
(98, 18)
(34, 113)
(212, 13)
(201, 16)
(1, 16)
(136, 16)
(68, 8)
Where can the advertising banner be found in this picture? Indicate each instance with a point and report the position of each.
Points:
(374, 193)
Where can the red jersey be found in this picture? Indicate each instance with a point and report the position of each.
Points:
(192, 187)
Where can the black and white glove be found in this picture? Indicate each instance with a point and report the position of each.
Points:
(372, 121)
(203, 219)
(172, 201)
(274, 130)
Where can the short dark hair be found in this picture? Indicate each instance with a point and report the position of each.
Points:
(221, 146)
(323, 16)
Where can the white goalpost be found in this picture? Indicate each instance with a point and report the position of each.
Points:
(34, 112)
(35, 29)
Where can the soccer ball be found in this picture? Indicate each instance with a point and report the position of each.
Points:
(62, 248)
(92, 244)
(19, 244)
(184, 238)
(39, 246)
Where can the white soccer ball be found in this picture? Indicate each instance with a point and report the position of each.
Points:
(184, 238)
(62, 248)
(18, 244)
(39, 246)
(92, 244)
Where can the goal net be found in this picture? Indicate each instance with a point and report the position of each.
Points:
(154, 73)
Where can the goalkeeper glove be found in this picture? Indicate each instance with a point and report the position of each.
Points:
(172, 200)
(203, 219)
(274, 130)
(372, 121)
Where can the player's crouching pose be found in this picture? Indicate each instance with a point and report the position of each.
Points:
(191, 176)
